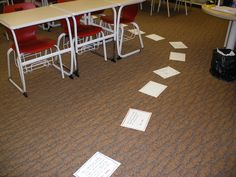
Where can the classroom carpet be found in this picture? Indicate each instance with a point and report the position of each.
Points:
(63, 122)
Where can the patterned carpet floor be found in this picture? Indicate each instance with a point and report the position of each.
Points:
(63, 122)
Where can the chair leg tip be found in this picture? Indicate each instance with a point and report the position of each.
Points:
(71, 76)
(113, 60)
(25, 94)
(76, 73)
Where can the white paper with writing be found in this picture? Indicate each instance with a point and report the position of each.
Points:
(177, 56)
(153, 89)
(178, 45)
(135, 31)
(155, 37)
(136, 119)
(166, 72)
(98, 165)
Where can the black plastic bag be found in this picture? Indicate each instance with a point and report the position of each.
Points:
(223, 67)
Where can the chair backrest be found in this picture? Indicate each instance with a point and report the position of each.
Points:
(63, 21)
(23, 34)
(130, 12)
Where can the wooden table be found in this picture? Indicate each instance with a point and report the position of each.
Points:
(230, 38)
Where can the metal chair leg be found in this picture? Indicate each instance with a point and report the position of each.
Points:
(104, 47)
(168, 9)
(159, 5)
(186, 8)
(139, 34)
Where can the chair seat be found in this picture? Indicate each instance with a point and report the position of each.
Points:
(110, 19)
(35, 46)
(86, 30)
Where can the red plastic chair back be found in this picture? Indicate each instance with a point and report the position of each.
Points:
(23, 34)
(130, 12)
(63, 22)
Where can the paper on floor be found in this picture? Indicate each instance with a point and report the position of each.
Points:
(123, 25)
(153, 89)
(135, 31)
(155, 37)
(178, 45)
(177, 56)
(136, 119)
(98, 165)
(94, 16)
(166, 72)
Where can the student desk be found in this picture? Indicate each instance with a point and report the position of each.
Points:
(121, 4)
(20, 19)
(82, 7)
(230, 38)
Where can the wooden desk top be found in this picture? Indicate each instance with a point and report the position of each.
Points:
(31, 17)
(207, 9)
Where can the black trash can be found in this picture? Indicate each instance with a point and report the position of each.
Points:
(223, 64)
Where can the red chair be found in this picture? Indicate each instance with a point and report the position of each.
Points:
(32, 51)
(89, 36)
(126, 16)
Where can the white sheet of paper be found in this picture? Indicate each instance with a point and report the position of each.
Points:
(94, 16)
(135, 31)
(225, 9)
(155, 37)
(178, 45)
(177, 56)
(123, 25)
(153, 89)
(166, 72)
(99, 165)
(136, 119)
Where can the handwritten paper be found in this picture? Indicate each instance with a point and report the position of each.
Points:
(155, 37)
(98, 165)
(166, 72)
(178, 45)
(153, 89)
(136, 119)
(177, 56)
(135, 31)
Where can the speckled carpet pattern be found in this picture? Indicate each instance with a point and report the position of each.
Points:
(63, 122)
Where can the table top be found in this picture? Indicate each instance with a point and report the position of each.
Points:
(126, 2)
(31, 17)
(20, 19)
(83, 6)
(208, 9)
